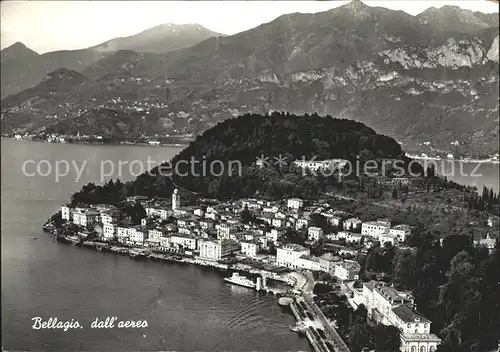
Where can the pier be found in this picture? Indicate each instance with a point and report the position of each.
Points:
(320, 333)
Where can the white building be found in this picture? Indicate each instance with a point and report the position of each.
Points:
(107, 218)
(250, 248)
(138, 235)
(160, 212)
(401, 232)
(122, 233)
(277, 222)
(108, 231)
(165, 243)
(314, 233)
(301, 223)
(295, 203)
(387, 237)
(352, 224)
(389, 306)
(225, 230)
(155, 235)
(349, 237)
(347, 270)
(199, 212)
(309, 262)
(375, 228)
(66, 212)
(217, 250)
(315, 165)
(183, 241)
(85, 217)
(289, 255)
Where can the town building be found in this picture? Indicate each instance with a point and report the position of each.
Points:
(250, 248)
(347, 270)
(401, 232)
(109, 231)
(217, 249)
(85, 217)
(309, 262)
(352, 224)
(389, 306)
(314, 233)
(375, 228)
(295, 203)
(289, 255)
(180, 241)
(225, 230)
(315, 165)
(66, 212)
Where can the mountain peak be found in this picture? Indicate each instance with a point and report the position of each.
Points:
(357, 8)
(63, 76)
(17, 51)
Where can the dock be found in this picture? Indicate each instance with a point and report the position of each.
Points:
(320, 333)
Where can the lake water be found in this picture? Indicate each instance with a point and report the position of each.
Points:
(187, 308)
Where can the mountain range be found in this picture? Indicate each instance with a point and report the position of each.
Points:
(428, 80)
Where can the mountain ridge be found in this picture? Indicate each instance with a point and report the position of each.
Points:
(385, 69)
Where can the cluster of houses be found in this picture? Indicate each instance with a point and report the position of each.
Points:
(389, 306)
(217, 232)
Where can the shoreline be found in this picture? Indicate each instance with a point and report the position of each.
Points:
(177, 145)
(466, 161)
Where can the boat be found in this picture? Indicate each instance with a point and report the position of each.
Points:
(35, 238)
(138, 254)
(240, 280)
(300, 327)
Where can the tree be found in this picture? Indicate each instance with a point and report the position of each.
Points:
(387, 338)
(360, 337)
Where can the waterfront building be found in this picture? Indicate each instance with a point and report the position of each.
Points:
(66, 212)
(217, 249)
(122, 233)
(289, 255)
(314, 233)
(352, 224)
(401, 232)
(295, 203)
(154, 235)
(389, 306)
(165, 243)
(109, 230)
(137, 235)
(309, 262)
(183, 241)
(85, 217)
(250, 248)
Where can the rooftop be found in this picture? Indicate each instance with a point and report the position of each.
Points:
(409, 315)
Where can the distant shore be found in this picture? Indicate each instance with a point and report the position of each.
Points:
(104, 143)
(464, 160)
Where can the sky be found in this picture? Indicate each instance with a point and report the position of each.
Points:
(62, 25)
